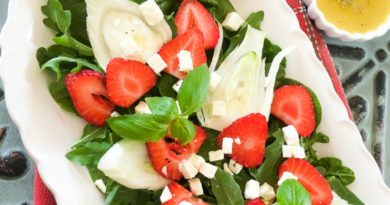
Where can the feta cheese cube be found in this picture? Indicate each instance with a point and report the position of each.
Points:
(142, 108)
(166, 195)
(233, 21)
(177, 85)
(188, 169)
(185, 203)
(267, 192)
(208, 170)
(291, 135)
(227, 145)
(197, 160)
(157, 63)
(164, 171)
(219, 108)
(214, 81)
(185, 61)
(293, 152)
(285, 176)
(235, 167)
(151, 12)
(237, 140)
(115, 114)
(252, 189)
(100, 184)
(226, 168)
(216, 155)
(129, 48)
(196, 186)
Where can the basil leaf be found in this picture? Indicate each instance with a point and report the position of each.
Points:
(193, 92)
(343, 192)
(89, 154)
(291, 192)
(60, 94)
(183, 130)
(138, 127)
(225, 189)
(54, 64)
(268, 171)
(163, 106)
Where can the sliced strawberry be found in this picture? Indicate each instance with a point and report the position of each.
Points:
(252, 132)
(310, 178)
(255, 202)
(192, 14)
(167, 153)
(191, 41)
(128, 80)
(89, 96)
(294, 106)
(180, 194)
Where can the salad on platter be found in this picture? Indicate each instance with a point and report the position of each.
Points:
(187, 103)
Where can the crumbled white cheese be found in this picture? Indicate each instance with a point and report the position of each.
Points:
(233, 21)
(129, 48)
(185, 203)
(208, 170)
(196, 186)
(216, 155)
(227, 145)
(151, 12)
(188, 169)
(235, 167)
(100, 184)
(185, 61)
(214, 81)
(197, 160)
(166, 195)
(237, 140)
(291, 135)
(177, 85)
(156, 63)
(142, 108)
(285, 176)
(293, 152)
(115, 114)
(267, 192)
(219, 108)
(227, 169)
(252, 189)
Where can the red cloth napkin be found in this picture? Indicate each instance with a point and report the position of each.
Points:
(42, 195)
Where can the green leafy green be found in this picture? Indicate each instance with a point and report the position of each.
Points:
(89, 153)
(193, 92)
(220, 9)
(60, 94)
(183, 130)
(268, 171)
(165, 83)
(120, 195)
(164, 106)
(225, 189)
(308, 142)
(91, 133)
(291, 192)
(335, 168)
(210, 144)
(343, 192)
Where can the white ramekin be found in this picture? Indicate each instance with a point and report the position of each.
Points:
(331, 30)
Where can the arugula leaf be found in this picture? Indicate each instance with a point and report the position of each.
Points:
(210, 144)
(89, 153)
(78, 26)
(68, 41)
(43, 55)
(242, 178)
(183, 130)
(270, 50)
(138, 127)
(308, 142)
(343, 192)
(221, 9)
(165, 83)
(268, 171)
(91, 133)
(120, 195)
(291, 192)
(193, 92)
(54, 64)
(164, 106)
(60, 94)
(335, 168)
(226, 189)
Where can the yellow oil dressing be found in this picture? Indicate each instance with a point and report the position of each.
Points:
(356, 16)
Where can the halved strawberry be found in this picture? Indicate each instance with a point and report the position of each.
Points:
(167, 153)
(191, 41)
(192, 14)
(257, 201)
(128, 80)
(89, 96)
(294, 106)
(310, 178)
(180, 194)
(252, 132)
